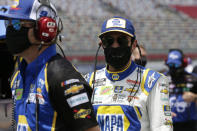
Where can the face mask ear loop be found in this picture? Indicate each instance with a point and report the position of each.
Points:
(138, 47)
(139, 70)
(94, 75)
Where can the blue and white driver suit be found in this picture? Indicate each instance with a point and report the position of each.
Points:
(131, 101)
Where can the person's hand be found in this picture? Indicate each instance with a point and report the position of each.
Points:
(173, 114)
(189, 96)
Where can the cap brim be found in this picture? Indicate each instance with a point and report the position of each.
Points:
(116, 31)
(14, 16)
(173, 62)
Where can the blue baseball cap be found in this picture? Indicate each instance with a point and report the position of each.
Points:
(27, 10)
(118, 24)
(175, 57)
(3, 9)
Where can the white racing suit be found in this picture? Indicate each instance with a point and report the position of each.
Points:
(128, 101)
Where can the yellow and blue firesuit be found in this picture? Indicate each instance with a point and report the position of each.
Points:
(135, 99)
(50, 95)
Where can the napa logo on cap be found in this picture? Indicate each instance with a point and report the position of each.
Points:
(116, 22)
(15, 4)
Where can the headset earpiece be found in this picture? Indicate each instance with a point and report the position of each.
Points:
(47, 23)
(185, 62)
(46, 29)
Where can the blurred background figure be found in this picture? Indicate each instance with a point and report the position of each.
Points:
(6, 70)
(140, 60)
(189, 67)
(182, 92)
(195, 69)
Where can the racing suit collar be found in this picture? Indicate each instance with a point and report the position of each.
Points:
(120, 75)
(34, 67)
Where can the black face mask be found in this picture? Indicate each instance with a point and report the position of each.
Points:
(117, 57)
(176, 71)
(141, 61)
(17, 40)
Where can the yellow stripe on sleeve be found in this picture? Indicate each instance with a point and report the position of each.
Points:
(138, 112)
(91, 79)
(143, 81)
(46, 82)
(12, 82)
(54, 121)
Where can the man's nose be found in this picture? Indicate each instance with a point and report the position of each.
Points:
(115, 44)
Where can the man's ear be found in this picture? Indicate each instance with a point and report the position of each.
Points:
(134, 44)
(100, 44)
(32, 38)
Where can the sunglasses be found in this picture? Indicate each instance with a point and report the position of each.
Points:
(17, 24)
(109, 40)
(174, 65)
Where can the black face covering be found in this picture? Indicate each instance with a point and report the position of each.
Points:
(17, 40)
(174, 72)
(117, 57)
(142, 61)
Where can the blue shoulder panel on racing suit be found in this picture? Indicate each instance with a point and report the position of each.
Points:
(151, 80)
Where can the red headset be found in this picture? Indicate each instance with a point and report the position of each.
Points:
(185, 62)
(47, 28)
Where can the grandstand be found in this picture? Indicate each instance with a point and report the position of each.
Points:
(159, 25)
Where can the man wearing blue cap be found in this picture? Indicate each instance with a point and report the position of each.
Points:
(49, 94)
(182, 92)
(127, 97)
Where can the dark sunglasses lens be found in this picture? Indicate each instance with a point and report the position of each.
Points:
(123, 41)
(174, 65)
(108, 41)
